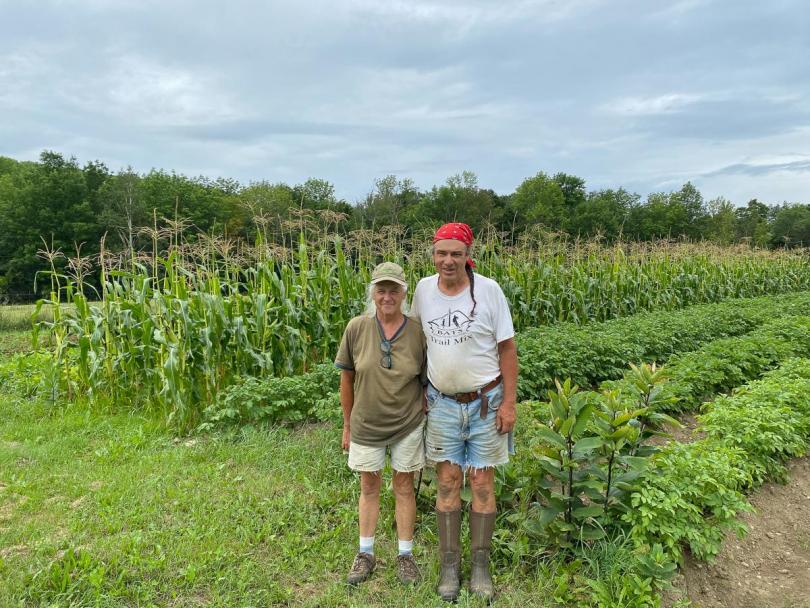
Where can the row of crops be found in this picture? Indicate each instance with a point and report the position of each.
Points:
(586, 471)
(589, 466)
(170, 332)
(587, 354)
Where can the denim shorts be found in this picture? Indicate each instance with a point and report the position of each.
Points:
(457, 433)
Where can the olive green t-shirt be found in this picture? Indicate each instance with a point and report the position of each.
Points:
(387, 402)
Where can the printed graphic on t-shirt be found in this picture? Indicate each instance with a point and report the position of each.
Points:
(450, 328)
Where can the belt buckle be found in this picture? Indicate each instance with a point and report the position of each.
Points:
(465, 397)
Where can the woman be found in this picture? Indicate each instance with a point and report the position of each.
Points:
(381, 358)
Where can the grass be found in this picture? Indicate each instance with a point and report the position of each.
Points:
(15, 317)
(18, 341)
(112, 510)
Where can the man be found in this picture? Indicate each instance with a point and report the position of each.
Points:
(472, 369)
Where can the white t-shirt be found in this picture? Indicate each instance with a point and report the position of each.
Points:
(462, 351)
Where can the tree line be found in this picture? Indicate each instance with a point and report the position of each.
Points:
(58, 204)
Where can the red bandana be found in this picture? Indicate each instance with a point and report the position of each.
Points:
(457, 232)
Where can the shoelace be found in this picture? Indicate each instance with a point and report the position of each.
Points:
(361, 562)
(408, 564)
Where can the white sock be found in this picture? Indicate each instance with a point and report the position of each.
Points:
(405, 547)
(367, 544)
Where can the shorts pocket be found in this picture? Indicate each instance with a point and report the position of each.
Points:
(495, 397)
(432, 395)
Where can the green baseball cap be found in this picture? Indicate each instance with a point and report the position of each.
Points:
(388, 271)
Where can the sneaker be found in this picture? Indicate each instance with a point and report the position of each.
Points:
(362, 568)
(407, 571)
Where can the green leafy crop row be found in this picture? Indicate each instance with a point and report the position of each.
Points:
(727, 363)
(600, 351)
(636, 401)
(586, 354)
(287, 399)
(693, 492)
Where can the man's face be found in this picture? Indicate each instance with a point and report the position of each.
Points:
(388, 297)
(450, 258)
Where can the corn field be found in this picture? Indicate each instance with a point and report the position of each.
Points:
(172, 326)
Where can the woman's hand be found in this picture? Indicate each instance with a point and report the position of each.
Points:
(347, 437)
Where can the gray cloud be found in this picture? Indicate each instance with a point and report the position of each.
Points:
(743, 115)
(758, 170)
(620, 93)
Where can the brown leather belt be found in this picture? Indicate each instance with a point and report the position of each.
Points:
(473, 395)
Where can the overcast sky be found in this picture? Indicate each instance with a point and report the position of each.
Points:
(635, 93)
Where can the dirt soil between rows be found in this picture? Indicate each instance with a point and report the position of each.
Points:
(770, 567)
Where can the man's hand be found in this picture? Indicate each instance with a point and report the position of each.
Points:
(507, 355)
(347, 437)
(506, 417)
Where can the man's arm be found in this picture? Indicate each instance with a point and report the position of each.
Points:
(347, 403)
(508, 361)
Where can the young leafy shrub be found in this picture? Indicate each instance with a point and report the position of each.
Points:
(288, 400)
(619, 431)
(642, 403)
(625, 429)
(571, 497)
(690, 496)
(589, 459)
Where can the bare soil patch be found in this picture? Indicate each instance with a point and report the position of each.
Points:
(686, 433)
(770, 567)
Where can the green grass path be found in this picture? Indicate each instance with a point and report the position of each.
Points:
(110, 510)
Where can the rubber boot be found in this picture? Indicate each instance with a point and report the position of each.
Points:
(449, 525)
(481, 527)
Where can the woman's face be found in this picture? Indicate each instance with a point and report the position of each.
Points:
(388, 297)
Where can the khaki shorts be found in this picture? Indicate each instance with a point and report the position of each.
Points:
(407, 454)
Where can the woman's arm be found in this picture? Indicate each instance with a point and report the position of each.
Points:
(347, 403)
